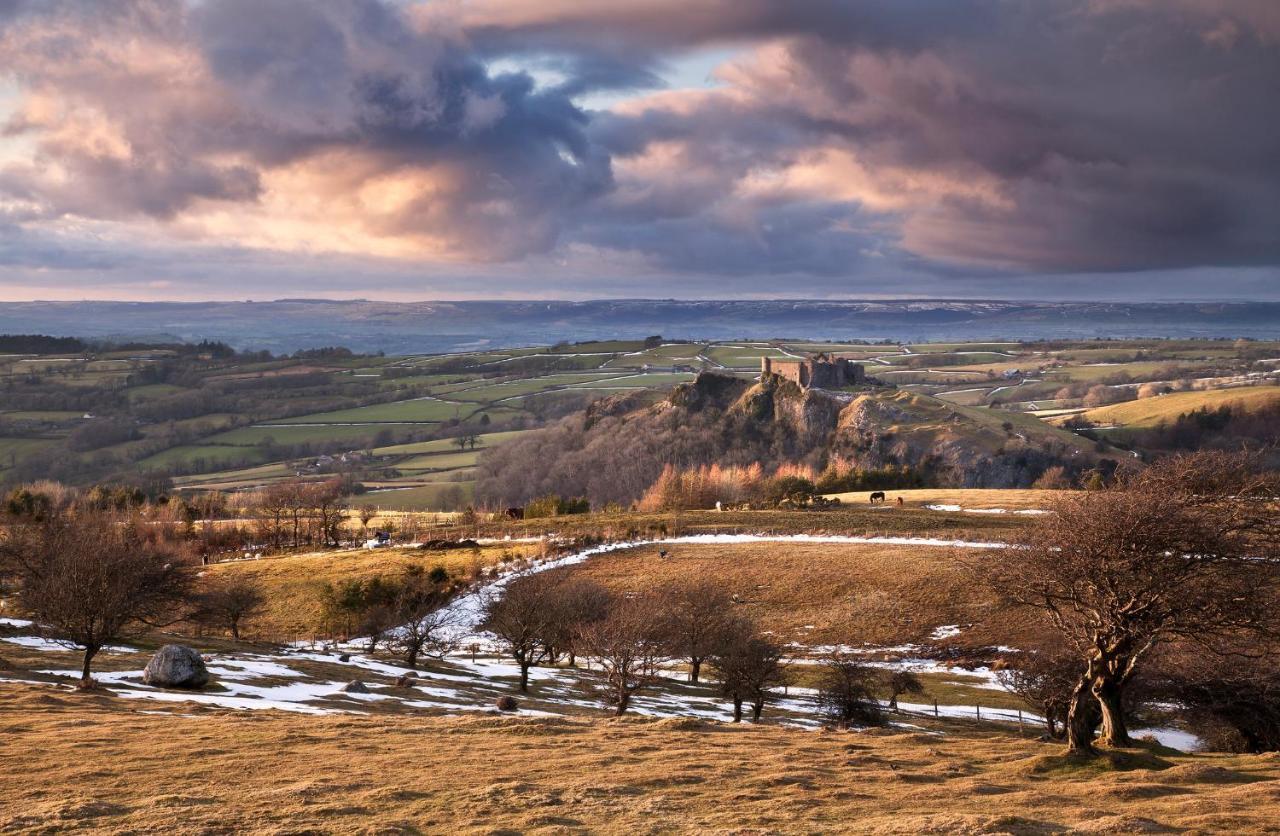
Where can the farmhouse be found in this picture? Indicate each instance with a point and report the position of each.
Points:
(818, 372)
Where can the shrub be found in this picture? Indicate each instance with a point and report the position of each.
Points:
(508, 703)
(845, 693)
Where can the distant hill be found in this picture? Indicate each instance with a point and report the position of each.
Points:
(616, 449)
(421, 327)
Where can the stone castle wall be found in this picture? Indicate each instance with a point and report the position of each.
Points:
(815, 372)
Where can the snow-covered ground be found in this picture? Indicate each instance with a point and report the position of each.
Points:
(312, 680)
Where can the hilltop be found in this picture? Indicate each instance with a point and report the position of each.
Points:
(618, 447)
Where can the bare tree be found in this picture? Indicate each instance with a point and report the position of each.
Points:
(571, 604)
(89, 576)
(629, 646)
(748, 667)
(1187, 550)
(846, 692)
(518, 617)
(367, 515)
(1231, 703)
(696, 617)
(228, 600)
(330, 511)
(902, 682)
(1046, 681)
(424, 626)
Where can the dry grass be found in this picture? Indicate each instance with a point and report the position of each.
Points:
(883, 595)
(1010, 499)
(1148, 412)
(104, 766)
(292, 583)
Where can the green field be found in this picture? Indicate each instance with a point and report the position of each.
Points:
(444, 445)
(419, 411)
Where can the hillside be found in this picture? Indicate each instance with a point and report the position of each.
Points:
(1148, 412)
(614, 451)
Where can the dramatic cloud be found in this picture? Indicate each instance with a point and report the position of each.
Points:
(930, 145)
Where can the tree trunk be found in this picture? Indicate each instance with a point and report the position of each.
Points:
(737, 710)
(757, 708)
(524, 677)
(1109, 695)
(1080, 720)
(623, 700)
(695, 668)
(893, 701)
(86, 680)
(235, 630)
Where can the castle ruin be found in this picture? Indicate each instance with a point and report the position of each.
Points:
(818, 372)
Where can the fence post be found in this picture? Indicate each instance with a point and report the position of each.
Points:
(977, 709)
(935, 708)
(1021, 731)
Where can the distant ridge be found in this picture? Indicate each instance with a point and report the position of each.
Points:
(440, 326)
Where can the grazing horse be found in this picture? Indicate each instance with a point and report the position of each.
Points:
(877, 496)
(515, 513)
(900, 502)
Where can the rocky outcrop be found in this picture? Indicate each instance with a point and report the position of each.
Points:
(176, 666)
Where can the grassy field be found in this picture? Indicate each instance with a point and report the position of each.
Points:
(106, 764)
(1151, 411)
(292, 582)
(829, 594)
(1013, 499)
(422, 410)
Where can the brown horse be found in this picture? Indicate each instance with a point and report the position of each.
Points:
(878, 496)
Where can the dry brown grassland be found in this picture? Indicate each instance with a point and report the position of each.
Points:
(94, 765)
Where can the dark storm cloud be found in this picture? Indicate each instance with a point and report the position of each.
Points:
(848, 138)
(227, 90)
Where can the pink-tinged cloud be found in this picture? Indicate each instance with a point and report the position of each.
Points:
(848, 141)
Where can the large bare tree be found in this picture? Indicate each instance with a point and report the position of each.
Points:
(518, 616)
(628, 644)
(228, 600)
(748, 667)
(88, 576)
(697, 616)
(1184, 551)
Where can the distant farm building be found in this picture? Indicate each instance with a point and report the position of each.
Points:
(818, 372)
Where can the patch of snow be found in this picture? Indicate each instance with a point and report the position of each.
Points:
(40, 643)
(15, 622)
(946, 631)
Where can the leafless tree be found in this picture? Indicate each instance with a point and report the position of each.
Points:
(846, 692)
(902, 682)
(1045, 680)
(518, 616)
(1184, 551)
(423, 629)
(228, 600)
(571, 604)
(374, 624)
(748, 667)
(330, 511)
(89, 576)
(695, 620)
(1231, 702)
(629, 646)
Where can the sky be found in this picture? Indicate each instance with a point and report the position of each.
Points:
(570, 149)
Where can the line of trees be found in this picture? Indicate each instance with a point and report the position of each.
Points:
(542, 618)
